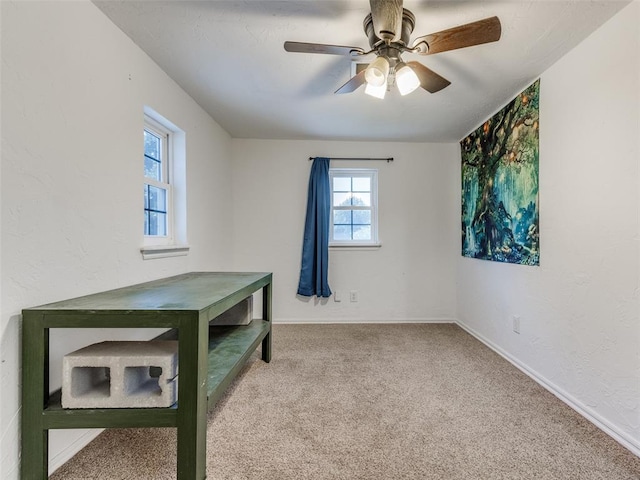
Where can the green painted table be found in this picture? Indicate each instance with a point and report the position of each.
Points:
(208, 358)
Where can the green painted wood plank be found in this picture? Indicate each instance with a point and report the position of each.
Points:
(192, 399)
(35, 368)
(229, 350)
(56, 417)
(109, 319)
(267, 299)
(197, 291)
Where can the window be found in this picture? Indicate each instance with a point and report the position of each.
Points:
(157, 186)
(164, 185)
(354, 207)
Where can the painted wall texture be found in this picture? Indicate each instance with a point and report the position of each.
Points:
(580, 330)
(409, 278)
(73, 92)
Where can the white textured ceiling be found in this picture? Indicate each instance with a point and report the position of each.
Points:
(229, 56)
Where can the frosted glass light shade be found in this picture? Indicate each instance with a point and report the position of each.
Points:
(377, 71)
(407, 80)
(376, 91)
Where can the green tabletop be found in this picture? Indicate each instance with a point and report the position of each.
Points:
(194, 291)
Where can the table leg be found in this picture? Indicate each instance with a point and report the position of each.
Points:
(193, 342)
(35, 391)
(266, 315)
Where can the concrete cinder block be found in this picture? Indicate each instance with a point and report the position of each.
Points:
(239, 314)
(121, 375)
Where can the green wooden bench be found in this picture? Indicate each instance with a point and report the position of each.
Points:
(209, 358)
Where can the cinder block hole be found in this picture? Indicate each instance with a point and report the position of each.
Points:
(94, 382)
(142, 381)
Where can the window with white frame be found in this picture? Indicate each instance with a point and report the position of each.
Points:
(354, 206)
(157, 182)
(164, 182)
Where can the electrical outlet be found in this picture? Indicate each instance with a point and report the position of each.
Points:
(337, 297)
(516, 324)
(353, 295)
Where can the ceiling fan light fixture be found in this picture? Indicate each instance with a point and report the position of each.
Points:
(377, 91)
(388, 28)
(377, 72)
(406, 79)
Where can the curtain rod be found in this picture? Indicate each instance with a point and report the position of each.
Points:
(387, 159)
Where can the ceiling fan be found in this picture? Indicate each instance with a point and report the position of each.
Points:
(388, 28)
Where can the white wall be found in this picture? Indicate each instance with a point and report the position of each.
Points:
(409, 278)
(579, 309)
(73, 92)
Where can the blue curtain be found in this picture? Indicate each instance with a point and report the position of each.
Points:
(315, 249)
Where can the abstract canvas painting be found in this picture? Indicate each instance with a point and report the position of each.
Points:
(500, 217)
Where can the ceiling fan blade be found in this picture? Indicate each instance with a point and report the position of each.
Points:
(353, 84)
(429, 80)
(475, 33)
(387, 19)
(322, 48)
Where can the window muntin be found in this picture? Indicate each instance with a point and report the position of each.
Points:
(353, 207)
(157, 188)
(155, 211)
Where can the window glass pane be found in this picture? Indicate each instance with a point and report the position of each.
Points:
(361, 232)
(362, 217)
(157, 224)
(152, 169)
(152, 156)
(361, 199)
(361, 184)
(341, 184)
(157, 199)
(341, 199)
(162, 224)
(342, 217)
(151, 145)
(342, 232)
(146, 199)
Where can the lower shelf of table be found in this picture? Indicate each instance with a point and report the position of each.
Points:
(229, 349)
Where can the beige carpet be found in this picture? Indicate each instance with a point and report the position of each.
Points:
(375, 402)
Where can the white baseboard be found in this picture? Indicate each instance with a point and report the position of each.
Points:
(66, 454)
(607, 427)
(344, 321)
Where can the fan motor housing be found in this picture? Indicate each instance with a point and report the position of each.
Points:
(408, 23)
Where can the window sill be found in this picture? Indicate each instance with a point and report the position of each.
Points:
(355, 246)
(164, 251)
